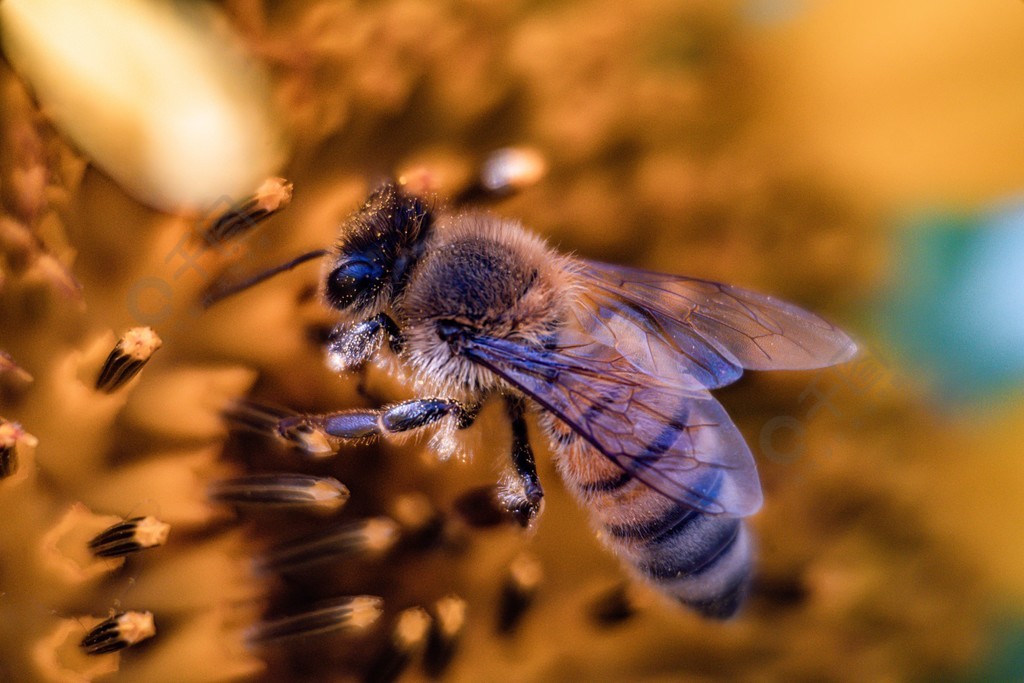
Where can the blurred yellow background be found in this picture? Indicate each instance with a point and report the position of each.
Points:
(910, 103)
(914, 106)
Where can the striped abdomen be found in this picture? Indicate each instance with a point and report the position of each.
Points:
(704, 561)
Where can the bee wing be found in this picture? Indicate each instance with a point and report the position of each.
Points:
(676, 439)
(728, 327)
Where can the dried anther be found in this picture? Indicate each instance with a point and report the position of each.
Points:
(306, 434)
(423, 526)
(343, 614)
(511, 169)
(256, 417)
(272, 196)
(408, 638)
(118, 632)
(127, 358)
(505, 172)
(9, 367)
(130, 536)
(481, 507)
(449, 622)
(308, 438)
(296, 491)
(517, 594)
(367, 537)
(11, 434)
(614, 606)
(8, 460)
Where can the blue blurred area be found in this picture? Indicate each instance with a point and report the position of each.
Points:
(1005, 660)
(957, 306)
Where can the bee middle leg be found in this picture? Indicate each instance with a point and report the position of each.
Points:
(524, 503)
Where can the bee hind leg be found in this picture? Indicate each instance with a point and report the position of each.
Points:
(522, 500)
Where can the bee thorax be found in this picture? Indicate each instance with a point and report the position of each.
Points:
(480, 277)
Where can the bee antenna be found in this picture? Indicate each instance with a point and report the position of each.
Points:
(217, 294)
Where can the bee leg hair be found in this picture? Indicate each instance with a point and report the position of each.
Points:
(351, 346)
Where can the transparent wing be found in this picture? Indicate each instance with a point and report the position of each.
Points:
(651, 342)
(718, 329)
(676, 439)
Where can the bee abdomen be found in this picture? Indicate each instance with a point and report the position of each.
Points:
(671, 524)
(703, 561)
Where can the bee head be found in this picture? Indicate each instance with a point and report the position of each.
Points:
(378, 245)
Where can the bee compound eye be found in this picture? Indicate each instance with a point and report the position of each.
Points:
(351, 279)
(451, 332)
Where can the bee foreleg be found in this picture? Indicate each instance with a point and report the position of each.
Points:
(353, 345)
(369, 423)
(525, 503)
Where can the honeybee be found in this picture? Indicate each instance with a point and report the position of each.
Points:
(617, 363)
